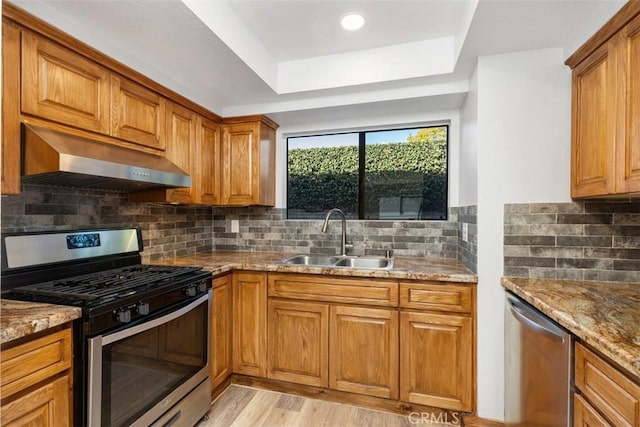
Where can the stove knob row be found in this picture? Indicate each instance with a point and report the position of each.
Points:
(202, 287)
(123, 316)
(142, 308)
(194, 289)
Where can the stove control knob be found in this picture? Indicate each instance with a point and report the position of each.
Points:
(190, 291)
(123, 316)
(142, 308)
(202, 287)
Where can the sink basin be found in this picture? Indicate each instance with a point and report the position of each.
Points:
(362, 262)
(365, 262)
(311, 260)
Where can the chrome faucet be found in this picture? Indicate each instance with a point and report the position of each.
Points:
(325, 225)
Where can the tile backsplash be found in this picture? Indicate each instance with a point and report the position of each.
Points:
(167, 230)
(170, 231)
(468, 236)
(591, 240)
(268, 230)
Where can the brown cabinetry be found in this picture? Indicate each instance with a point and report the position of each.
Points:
(10, 152)
(610, 394)
(250, 323)
(61, 86)
(584, 415)
(35, 378)
(208, 162)
(248, 161)
(364, 350)
(137, 113)
(436, 355)
(298, 342)
(221, 331)
(605, 153)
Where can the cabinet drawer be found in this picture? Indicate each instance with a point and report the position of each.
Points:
(585, 416)
(321, 288)
(436, 296)
(612, 393)
(27, 364)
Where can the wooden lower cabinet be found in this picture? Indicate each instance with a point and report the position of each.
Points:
(221, 330)
(612, 395)
(35, 381)
(584, 415)
(298, 342)
(364, 351)
(436, 363)
(250, 323)
(45, 405)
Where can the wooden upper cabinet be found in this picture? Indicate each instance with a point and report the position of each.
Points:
(62, 86)
(628, 122)
(593, 155)
(248, 161)
(137, 113)
(208, 162)
(181, 143)
(10, 168)
(605, 152)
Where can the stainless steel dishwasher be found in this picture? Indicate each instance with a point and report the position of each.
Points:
(538, 358)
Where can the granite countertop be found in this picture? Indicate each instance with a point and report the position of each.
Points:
(404, 268)
(604, 315)
(20, 318)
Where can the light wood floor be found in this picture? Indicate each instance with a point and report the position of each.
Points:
(240, 406)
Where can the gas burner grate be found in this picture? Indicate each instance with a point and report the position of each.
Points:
(107, 283)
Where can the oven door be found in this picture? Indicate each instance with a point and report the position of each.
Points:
(138, 373)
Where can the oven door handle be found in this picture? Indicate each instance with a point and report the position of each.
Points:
(125, 333)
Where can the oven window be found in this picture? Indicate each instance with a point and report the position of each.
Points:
(141, 370)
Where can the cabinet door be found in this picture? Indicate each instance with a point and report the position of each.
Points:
(611, 392)
(585, 416)
(47, 405)
(298, 342)
(364, 351)
(436, 363)
(181, 144)
(628, 124)
(593, 127)
(10, 168)
(241, 164)
(221, 331)
(60, 85)
(138, 114)
(209, 162)
(250, 324)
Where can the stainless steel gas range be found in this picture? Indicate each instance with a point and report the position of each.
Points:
(141, 345)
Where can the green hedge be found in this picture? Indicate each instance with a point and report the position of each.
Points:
(321, 178)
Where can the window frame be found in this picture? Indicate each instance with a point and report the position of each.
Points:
(362, 164)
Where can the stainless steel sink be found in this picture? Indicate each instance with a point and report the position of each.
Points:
(311, 260)
(359, 262)
(365, 262)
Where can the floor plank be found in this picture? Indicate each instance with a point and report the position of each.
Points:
(241, 406)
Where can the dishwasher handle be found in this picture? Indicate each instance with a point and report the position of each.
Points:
(520, 313)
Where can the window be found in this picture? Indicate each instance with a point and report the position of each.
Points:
(396, 174)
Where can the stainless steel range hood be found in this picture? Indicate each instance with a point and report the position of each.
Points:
(55, 158)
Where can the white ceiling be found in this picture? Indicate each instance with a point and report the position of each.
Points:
(290, 59)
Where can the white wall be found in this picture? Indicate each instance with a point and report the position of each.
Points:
(374, 122)
(523, 142)
(469, 145)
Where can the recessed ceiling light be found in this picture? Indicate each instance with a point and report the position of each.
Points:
(352, 21)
